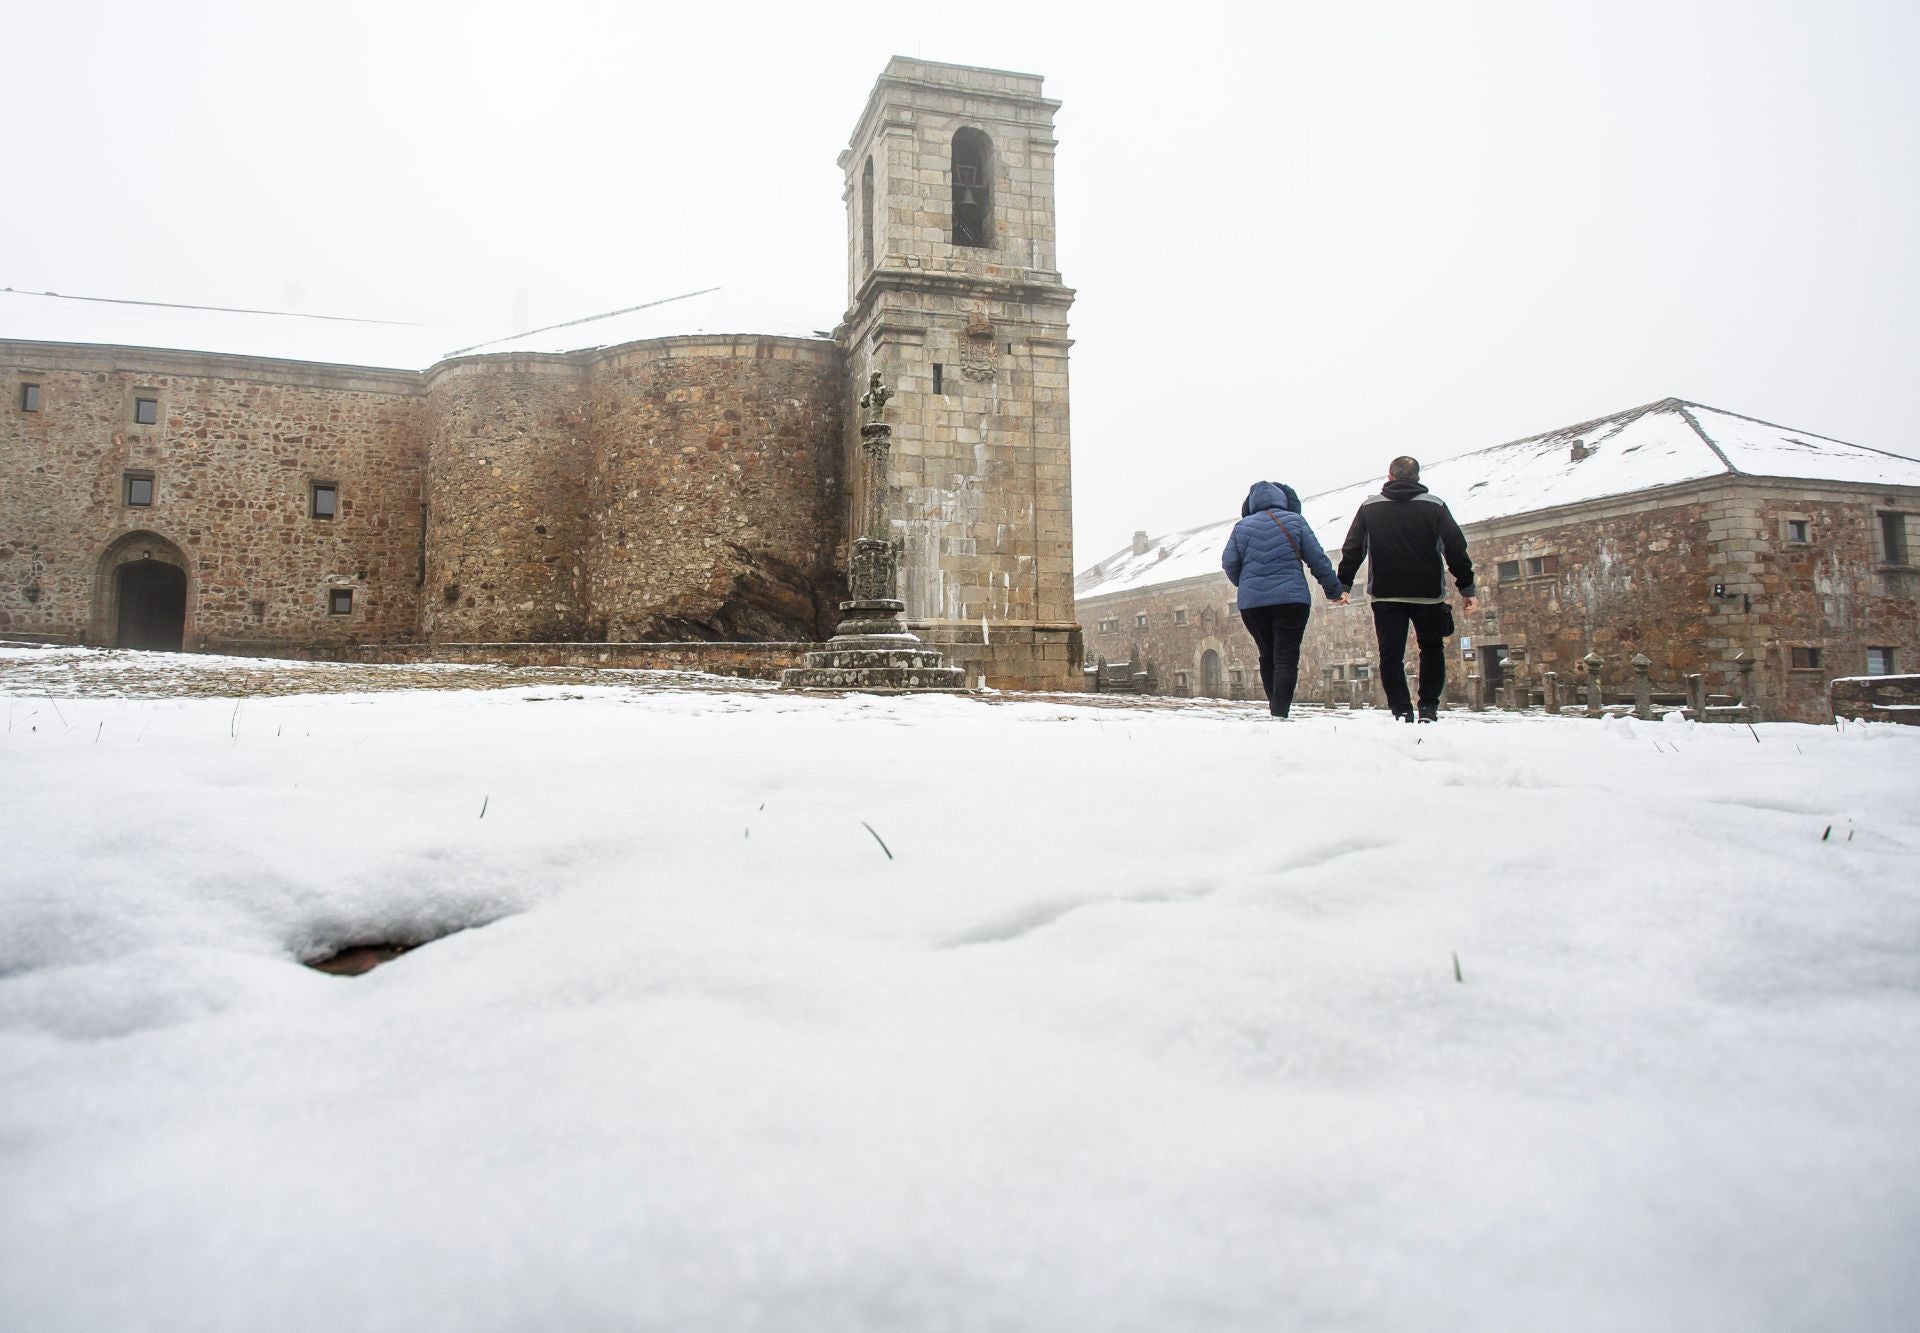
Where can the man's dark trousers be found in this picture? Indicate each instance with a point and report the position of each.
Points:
(1429, 621)
(1277, 631)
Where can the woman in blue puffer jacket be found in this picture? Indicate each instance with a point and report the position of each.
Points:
(1263, 560)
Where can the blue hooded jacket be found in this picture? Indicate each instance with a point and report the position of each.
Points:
(1268, 544)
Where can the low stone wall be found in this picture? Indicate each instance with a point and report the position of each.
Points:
(1877, 698)
(758, 661)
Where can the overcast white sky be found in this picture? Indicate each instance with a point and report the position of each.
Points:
(1305, 237)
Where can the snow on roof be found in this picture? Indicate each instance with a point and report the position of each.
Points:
(50, 317)
(715, 310)
(1660, 444)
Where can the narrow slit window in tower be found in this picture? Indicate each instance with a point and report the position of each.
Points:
(866, 216)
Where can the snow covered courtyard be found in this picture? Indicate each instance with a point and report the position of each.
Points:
(756, 1011)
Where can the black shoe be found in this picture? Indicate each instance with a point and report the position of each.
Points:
(1399, 716)
(1429, 713)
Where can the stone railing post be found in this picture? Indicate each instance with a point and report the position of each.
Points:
(1517, 691)
(1745, 662)
(1642, 688)
(1697, 696)
(1550, 692)
(1594, 664)
(1476, 692)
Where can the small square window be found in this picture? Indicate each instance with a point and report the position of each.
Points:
(1509, 571)
(29, 397)
(1180, 616)
(1361, 671)
(1340, 673)
(325, 498)
(1806, 659)
(1799, 530)
(1538, 565)
(340, 601)
(1880, 662)
(1140, 620)
(146, 411)
(139, 488)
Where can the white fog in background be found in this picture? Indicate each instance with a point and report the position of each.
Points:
(1305, 237)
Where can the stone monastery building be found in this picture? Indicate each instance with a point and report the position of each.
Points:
(1696, 537)
(233, 482)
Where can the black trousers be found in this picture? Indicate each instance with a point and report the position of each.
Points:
(1277, 631)
(1429, 621)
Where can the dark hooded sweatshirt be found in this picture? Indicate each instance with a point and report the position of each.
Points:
(1409, 540)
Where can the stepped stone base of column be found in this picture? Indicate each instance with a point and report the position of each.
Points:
(870, 652)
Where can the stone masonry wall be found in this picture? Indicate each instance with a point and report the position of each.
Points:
(715, 490)
(506, 509)
(1182, 622)
(236, 448)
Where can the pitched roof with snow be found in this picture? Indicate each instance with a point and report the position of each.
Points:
(330, 340)
(1644, 448)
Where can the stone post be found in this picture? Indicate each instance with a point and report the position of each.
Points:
(1594, 664)
(1476, 692)
(1517, 691)
(1745, 662)
(871, 650)
(1697, 696)
(1642, 688)
(1550, 692)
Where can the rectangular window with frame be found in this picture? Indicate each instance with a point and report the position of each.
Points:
(1109, 624)
(1509, 571)
(1180, 679)
(1880, 662)
(1140, 620)
(29, 397)
(1361, 671)
(939, 378)
(1806, 659)
(146, 411)
(1893, 538)
(1797, 531)
(136, 489)
(1540, 565)
(1180, 616)
(339, 601)
(323, 500)
(1339, 673)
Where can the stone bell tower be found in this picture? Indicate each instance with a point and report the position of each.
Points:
(955, 299)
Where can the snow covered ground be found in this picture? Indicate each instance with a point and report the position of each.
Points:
(1148, 1022)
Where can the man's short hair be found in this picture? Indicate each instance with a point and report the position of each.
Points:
(1403, 468)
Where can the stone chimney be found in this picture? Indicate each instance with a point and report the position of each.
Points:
(1580, 450)
(1140, 543)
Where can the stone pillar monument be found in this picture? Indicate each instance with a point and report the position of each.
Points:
(871, 650)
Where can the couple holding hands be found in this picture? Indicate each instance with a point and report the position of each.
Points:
(1410, 542)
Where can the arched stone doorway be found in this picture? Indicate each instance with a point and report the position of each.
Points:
(140, 594)
(1210, 683)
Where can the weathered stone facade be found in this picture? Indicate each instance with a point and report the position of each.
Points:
(971, 332)
(1768, 588)
(690, 488)
(232, 456)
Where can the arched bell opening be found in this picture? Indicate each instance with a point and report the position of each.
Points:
(141, 589)
(972, 179)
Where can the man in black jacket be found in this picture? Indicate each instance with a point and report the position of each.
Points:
(1405, 535)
